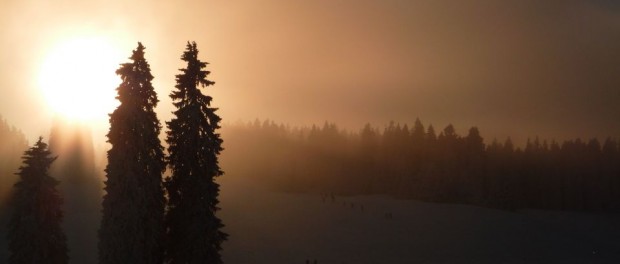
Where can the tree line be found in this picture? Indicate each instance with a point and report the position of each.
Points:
(419, 163)
(146, 218)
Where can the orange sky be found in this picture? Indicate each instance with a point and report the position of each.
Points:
(519, 68)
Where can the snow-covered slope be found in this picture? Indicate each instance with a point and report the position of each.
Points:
(272, 227)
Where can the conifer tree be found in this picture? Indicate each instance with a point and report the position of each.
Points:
(132, 228)
(35, 234)
(431, 136)
(194, 232)
(418, 133)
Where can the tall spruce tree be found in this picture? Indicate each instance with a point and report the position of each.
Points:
(132, 225)
(194, 232)
(35, 234)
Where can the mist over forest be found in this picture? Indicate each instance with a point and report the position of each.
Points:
(414, 162)
(424, 164)
(316, 132)
(411, 161)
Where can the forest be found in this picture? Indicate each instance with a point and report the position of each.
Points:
(355, 131)
(399, 161)
(419, 163)
(157, 199)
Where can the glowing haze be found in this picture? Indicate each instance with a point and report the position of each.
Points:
(78, 78)
(519, 68)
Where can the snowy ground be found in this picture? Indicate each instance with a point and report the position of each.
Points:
(272, 227)
(269, 227)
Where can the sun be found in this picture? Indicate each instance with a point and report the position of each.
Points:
(78, 80)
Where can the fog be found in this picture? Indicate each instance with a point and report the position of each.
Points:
(518, 69)
(513, 68)
(273, 223)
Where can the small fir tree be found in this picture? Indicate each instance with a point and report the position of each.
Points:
(35, 234)
(132, 227)
(194, 232)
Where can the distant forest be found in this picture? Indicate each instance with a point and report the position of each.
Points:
(417, 163)
(410, 162)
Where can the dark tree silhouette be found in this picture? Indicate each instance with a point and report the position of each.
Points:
(194, 232)
(369, 143)
(132, 228)
(35, 234)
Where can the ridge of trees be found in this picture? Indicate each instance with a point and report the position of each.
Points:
(417, 163)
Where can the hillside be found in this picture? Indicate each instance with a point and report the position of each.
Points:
(270, 227)
(275, 227)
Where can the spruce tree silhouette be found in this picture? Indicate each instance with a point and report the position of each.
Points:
(35, 234)
(194, 232)
(132, 228)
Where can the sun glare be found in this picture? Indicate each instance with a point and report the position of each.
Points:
(78, 78)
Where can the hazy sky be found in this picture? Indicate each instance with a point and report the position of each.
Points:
(518, 68)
